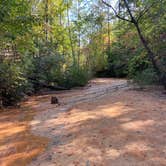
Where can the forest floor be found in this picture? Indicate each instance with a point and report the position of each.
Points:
(106, 123)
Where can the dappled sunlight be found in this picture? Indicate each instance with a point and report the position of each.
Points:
(112, 154)
(21, 158)
(11, 130)
(35, 122)
(102, 81)
(115, 111)
(137, 149)
(136, 125)
(17, 145)
(78, 115)
(120, 128)
(116, 129)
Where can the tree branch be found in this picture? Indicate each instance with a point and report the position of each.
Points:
(143, 12)
(133, 20)
(115, 12)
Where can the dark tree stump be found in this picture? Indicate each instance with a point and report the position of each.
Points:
(54, 100)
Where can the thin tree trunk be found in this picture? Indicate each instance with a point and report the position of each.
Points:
(61, 24)
(79, 34)
(108, 24)
(70, 37)
(46, 20)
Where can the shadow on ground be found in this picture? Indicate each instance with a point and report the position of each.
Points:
(125, 128)
(17, 145)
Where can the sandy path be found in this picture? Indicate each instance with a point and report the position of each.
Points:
(110, 127)
(103, 124)
(97, 88)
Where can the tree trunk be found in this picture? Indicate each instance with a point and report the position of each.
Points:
(79, 33)
(70, 37)
(151, 56)
(108, 26)
(46, 20)
(150, 53)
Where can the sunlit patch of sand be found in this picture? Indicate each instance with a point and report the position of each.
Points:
(136, 125)
(17, 145)
(124, 128)
(121, 129)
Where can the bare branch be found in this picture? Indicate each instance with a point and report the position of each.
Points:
(143, 12)
(129, 11)
(115, 12)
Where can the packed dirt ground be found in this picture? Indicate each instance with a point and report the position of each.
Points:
(106, 123)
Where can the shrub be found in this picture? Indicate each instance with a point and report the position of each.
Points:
(138, 64)
(12, 83)
(141, 71)
(118, 58)
(146, 77)
(76, 76)
(47, 70)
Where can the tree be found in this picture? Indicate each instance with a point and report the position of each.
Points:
(133, 15)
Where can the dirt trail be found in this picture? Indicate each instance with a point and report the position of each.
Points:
(18, 145)
(96, 89)
(103, 124)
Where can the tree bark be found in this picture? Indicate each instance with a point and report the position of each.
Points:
(145, 44)
(151, 54)
(70, 37)
(79, 33)
(46, 20)
(108, 26)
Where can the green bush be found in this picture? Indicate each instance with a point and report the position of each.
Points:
(47, 70)
(118, 58)
(12, 83)
(137, 65)
(146, 77)
(76, 76)
(141, 71)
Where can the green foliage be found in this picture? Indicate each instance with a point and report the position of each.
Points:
(146, 77)
(46, 70)
(137, 65)
(12, 83)
(76, 76)
(140, 70)
(62, 43)
(49, 71)
(118, 59)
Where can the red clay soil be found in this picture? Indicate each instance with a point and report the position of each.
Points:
(17, 145)
(121, 128)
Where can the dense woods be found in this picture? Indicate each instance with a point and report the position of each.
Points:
(59, 44)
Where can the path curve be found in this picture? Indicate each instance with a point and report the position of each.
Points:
(43, 122)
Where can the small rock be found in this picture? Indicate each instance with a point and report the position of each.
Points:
(54, 100)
